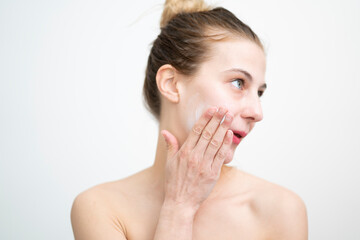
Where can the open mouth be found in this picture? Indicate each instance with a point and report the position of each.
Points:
(237, 135)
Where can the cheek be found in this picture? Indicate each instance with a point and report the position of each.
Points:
(195, 108)
(198, 104)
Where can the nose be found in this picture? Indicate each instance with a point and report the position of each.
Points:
(251, 108)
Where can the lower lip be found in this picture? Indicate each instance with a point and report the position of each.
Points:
(236, 140)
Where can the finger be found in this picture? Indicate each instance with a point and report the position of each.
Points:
(171, 142)
(198, 128)
(217, 141)
(222, 154)
(209, 131)
(229, 157)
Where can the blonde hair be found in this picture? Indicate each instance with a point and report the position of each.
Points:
(174, 7)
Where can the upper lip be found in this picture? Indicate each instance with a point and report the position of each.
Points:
(242, 134)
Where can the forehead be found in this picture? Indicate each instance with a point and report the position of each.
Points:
(233, 53)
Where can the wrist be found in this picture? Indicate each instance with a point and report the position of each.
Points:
(181, 210)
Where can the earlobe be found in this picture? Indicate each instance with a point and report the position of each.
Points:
(166, 81)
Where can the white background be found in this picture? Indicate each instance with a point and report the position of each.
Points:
(71, 113)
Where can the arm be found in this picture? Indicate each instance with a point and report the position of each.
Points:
(175, 222)
(191, 172)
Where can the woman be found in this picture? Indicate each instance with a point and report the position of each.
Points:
(204, 80)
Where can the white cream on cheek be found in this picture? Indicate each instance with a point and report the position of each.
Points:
(196, 107)
(194, 110)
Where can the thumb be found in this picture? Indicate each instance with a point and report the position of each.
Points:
(171, 142)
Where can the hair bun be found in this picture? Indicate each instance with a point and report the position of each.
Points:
(173, 7)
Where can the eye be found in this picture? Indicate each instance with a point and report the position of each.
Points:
(239, 83)
(260, 93)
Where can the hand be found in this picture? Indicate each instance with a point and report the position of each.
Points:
(193, 170)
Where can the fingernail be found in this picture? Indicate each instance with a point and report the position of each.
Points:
(212, 111)
(222, 120)
(230, 135)
(228, 117)
(222, 110)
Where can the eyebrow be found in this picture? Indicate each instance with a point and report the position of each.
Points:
(248, 75)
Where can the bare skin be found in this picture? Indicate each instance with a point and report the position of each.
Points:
(247, 208)
(202, 199)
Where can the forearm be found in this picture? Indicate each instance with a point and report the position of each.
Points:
(175, 222)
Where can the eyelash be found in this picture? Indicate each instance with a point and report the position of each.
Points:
(260, 93)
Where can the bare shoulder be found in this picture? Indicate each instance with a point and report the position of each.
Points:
(97, 212)
(279, 208)
(115, 208)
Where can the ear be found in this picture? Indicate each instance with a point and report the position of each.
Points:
(166, 80)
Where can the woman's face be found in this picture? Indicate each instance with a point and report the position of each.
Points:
(233, 78)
